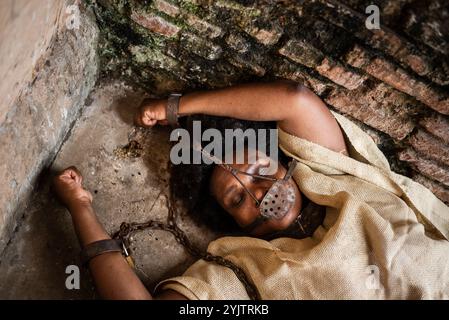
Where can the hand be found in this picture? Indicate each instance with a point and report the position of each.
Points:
(151, 112)
(69, 190)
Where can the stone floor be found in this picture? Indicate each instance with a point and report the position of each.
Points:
(126, 184)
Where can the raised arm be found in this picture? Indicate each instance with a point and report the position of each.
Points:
(114, 278)
(296, 109)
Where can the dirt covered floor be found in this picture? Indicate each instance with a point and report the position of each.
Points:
(126, 169)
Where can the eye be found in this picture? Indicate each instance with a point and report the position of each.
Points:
(238, 200)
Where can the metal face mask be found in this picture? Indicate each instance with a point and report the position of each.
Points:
(278, 200)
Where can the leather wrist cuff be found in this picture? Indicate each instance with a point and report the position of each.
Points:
(172, 109)
(99, 247)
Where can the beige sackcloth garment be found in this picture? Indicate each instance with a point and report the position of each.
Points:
(384, 236)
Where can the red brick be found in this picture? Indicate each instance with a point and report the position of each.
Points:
(203, 27)
(387, 72)
(378, 107)
(387, 40)
(357, 57)
(429, 145)
(155, 24)
(398, 78)
(437, 189)
(336, 72)
(316, 85)
(438, 126)
(426, 167)
(240, 62)
(302, 52)
(405, 52)
(417, 64)
(383, 39)
(267, 37)
(166, 7)
(288, 70)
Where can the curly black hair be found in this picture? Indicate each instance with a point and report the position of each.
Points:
(190, 182)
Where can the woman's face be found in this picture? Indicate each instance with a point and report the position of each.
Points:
(240, 205)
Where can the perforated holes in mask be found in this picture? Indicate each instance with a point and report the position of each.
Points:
(278, 201)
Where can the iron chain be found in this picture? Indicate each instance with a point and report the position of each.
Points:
(127, 229)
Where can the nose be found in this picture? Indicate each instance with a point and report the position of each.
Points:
(260, 192)
(252, 214)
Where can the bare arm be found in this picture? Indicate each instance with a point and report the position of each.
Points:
(114, 278)
(297, 110)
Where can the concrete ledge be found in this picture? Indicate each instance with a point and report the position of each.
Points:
(47, 101)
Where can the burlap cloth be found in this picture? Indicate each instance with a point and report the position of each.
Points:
(384, 236)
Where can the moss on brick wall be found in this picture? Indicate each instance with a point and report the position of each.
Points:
(394, 81)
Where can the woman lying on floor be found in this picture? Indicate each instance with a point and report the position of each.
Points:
(349, 228)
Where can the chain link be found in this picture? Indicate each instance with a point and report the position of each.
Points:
(127, 229)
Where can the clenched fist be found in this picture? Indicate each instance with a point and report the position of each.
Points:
(151, 112)
(69, 190)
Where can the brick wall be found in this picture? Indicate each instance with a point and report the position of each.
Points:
(393, 82)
